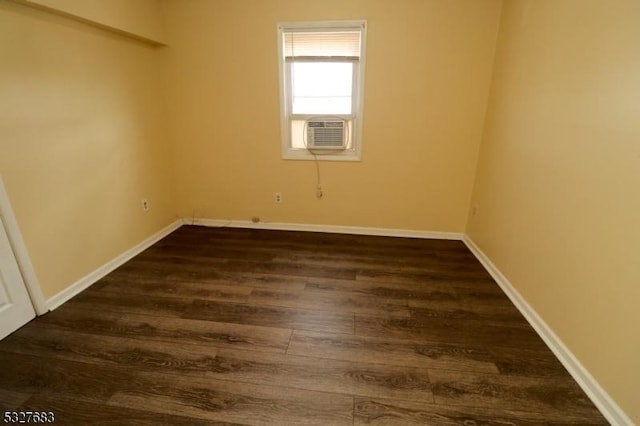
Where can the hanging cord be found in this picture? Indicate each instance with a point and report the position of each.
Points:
(319, 192)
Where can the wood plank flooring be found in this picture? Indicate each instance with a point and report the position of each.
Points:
(223, 326)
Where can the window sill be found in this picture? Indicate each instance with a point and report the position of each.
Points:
(303, 154)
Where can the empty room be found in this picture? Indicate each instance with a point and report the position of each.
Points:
(330, 212)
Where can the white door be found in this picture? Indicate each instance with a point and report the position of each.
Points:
(15, 306)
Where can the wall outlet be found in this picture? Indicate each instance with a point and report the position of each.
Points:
(278, 198)
(255, 219)
(145, 204)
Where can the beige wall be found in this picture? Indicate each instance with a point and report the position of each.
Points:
(558, 184)
(427, 81)
(81, 142)
(139, 18)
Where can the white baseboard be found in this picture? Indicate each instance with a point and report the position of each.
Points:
(607, 406)
(89, 279)
(336, 229)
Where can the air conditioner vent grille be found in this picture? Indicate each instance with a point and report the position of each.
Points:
(329, 134)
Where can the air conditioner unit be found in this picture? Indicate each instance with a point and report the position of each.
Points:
(330, 133)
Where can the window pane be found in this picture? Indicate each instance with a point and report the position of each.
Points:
(321, 87)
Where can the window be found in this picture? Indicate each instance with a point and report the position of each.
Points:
(321, 88)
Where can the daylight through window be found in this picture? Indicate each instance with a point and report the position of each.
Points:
(321, 71)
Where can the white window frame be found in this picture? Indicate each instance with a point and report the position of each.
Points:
(354, 153)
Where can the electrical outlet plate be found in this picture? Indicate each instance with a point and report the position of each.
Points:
(278, 197)
(145, 204)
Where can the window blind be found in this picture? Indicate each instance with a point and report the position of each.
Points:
(322, 45)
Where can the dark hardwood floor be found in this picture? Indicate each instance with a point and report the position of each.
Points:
(236, 326)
